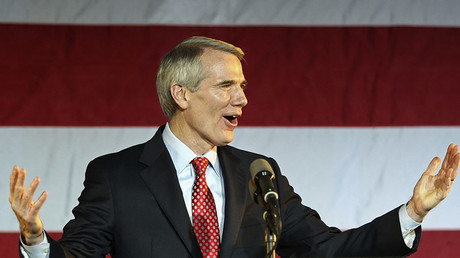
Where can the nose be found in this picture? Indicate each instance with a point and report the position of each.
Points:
(239, 98)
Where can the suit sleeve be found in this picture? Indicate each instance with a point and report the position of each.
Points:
(304, 234)
(89, 234)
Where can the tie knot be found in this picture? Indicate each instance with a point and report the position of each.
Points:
(200, 164)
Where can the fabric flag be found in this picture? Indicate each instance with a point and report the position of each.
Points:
(352, 98)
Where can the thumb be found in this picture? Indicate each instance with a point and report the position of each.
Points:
(432, 167)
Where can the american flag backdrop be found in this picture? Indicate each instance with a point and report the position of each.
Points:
(352, 98)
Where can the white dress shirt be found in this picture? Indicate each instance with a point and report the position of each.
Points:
(181, 156)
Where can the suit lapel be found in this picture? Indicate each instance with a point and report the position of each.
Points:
(161, 179)
(236, 191)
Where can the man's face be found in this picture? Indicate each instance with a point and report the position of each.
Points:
(213, 110)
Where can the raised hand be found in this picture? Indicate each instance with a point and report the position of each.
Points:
(432, 188)
(25, 208)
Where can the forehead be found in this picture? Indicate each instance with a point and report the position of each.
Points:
(220, 62)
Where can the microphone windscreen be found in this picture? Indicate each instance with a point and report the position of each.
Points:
(259, 165)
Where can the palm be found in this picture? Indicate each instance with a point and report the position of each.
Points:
(432, 188)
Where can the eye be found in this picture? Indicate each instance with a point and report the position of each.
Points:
(225, 86)
(244, 86)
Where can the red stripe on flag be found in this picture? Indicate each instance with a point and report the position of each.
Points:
(298, 76)
(9, 243)
(433, 244)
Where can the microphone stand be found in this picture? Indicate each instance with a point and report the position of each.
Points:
(272, 231)
(270, 240)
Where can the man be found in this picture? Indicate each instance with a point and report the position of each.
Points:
(145, 201)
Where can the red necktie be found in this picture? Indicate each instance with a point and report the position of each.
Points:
(205, 223)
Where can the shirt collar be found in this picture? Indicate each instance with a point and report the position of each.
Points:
(181, 154)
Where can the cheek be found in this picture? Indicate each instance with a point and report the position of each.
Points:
(218, 104)
(222, 97)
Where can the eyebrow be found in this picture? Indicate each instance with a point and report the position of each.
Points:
(231, 82)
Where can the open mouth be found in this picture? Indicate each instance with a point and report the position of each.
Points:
(232, 119)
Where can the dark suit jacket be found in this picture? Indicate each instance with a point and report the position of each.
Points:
(132, 206)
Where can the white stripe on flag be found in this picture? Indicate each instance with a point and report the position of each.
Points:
(350, 175)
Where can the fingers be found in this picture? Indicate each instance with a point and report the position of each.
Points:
(446, 183)
(449, 160)
(13, 178)
(445, 162)
(22, 200)
(17, 181)
(452, 160)
(455, 161)
(453, 170)
(38, 204)
(29, 193)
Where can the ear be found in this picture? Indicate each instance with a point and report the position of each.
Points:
(180, 95)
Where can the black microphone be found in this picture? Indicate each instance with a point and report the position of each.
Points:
(264, 193)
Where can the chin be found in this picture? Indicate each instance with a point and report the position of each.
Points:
(226, 139)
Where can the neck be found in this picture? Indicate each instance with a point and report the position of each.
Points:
(192, 140)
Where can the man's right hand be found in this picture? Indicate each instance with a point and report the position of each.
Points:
(25, 208)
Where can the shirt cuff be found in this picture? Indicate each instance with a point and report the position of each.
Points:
(408, 225)
(41, 250)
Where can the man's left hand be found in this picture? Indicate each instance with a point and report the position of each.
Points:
(432, 188)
